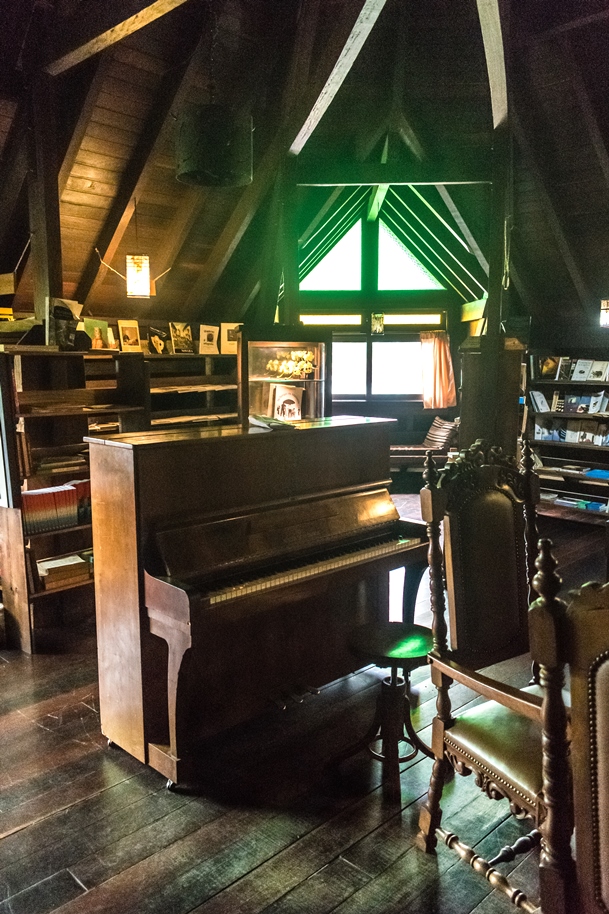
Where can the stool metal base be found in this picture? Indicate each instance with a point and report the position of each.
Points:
(391, 726)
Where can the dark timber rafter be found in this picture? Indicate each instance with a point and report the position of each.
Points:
(348, 38)
(97, 26)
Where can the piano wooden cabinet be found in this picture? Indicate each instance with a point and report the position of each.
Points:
(230, 564)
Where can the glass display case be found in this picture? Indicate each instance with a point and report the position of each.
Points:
(287, 379)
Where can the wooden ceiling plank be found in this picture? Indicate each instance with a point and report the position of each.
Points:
(100, 26)
(84, 116)
(578, 23)
(587, 111)
(551, 212)
(350, 43)
(174, 88)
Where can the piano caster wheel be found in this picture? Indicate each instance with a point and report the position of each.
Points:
(170, 785)
(111, 744)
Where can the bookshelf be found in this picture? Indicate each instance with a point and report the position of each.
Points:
(186, 389)
(568, 425)
(51, 400)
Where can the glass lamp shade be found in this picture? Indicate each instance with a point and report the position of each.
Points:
(605, 312)
(138, 276)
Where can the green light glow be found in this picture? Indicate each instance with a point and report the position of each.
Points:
(413, 646)
(398, 268)
(417, 319)
(341, 268)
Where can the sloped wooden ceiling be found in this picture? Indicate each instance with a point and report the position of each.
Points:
(336, 88)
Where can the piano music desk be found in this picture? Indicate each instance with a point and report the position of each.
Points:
(230, 566)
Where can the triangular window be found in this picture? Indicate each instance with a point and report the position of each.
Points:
(341, 268)
(399, 269)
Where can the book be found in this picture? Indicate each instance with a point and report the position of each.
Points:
(159, 342)
(582, 370)
(596, 401)
(598, 372)
(288, 402)
(597, 474)
(572, 431)
(564, 369)
(584, 404)
(548, 366)
(571, 403)
(181, 337)
(543, 429)
(539, 402)
(587, 431)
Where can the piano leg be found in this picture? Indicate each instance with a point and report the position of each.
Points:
(166, 758)
(412, 580)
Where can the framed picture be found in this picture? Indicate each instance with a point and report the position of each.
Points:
(159, 342)
(129, 336)
(208, 339)
(181, 337)
(229, 339)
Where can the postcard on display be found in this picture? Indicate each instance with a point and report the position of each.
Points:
(159, 341)
(288, 402)
(229, 338)
(129, 336)
(181, 337)
(208, 339)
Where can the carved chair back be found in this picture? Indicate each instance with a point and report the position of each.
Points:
(486, 505)
(587, 642)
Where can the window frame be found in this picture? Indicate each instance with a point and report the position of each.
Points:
(394, 335)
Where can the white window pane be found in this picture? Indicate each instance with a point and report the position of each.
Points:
(396, 368)
(349, 369)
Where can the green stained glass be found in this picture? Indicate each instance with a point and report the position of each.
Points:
(341, 268)
(398, 268)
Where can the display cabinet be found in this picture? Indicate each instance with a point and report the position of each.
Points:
(189, 389)
(288, 374)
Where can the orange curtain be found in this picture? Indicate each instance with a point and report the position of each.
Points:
(438, 378)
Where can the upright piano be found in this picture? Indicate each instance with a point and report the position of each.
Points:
(230, 565)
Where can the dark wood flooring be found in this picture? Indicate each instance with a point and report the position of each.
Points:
(86, 828)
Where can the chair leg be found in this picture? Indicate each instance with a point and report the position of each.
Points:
(431, 812)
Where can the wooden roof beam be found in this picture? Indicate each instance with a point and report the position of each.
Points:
(357, 23)
(585, 105)
(98, 26)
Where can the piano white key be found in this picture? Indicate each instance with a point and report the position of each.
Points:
(257, 585)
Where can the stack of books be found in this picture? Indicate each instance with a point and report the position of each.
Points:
(56, 507)
(63, 571)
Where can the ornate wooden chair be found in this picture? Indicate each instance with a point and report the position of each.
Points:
(500, 741)
(487, 505)
(587, 650)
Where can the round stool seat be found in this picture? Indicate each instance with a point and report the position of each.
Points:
(385, 644)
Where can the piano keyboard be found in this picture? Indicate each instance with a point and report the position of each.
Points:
(305, 572)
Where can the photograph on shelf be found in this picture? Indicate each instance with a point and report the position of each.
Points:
(129, 336)
(288, 402)
(159, 342)
(229, 338)
(97, 331)
(208, 339)
(181, 337)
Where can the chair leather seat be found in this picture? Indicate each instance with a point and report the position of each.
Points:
(400, 644)
(503, 744)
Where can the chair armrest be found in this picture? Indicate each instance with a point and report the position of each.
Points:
(510, 697)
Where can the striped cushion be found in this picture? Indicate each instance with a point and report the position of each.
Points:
(441, 434)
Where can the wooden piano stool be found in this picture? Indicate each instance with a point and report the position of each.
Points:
(396, 646)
